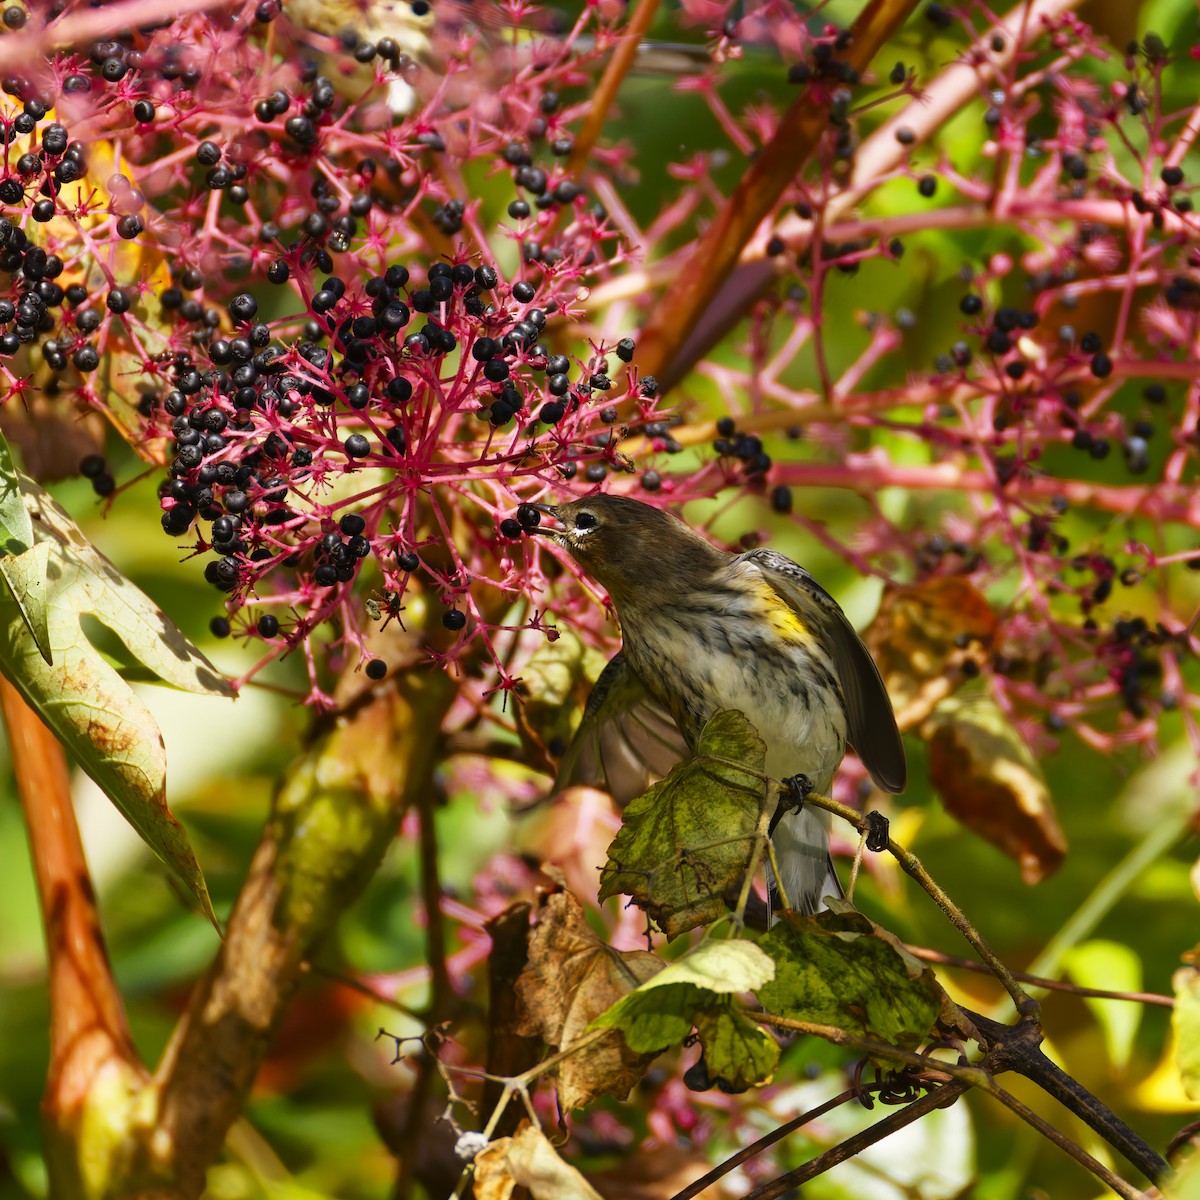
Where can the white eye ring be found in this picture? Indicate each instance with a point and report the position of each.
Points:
(585, 522)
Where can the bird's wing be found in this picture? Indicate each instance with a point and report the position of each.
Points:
(626, 741)
(869, 715)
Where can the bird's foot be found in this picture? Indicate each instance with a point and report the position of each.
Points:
(876, 831)
(792, 792)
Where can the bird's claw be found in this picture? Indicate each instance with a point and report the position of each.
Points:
(795, 789)
(792, 793)
(876, 831)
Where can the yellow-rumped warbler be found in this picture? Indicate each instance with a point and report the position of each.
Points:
(704, 630)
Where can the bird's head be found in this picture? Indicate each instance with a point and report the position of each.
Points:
(631, 548)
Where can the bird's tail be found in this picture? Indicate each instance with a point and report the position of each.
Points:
(806, 869)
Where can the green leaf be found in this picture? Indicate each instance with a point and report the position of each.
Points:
(664, 1009)
(838, 968)
(16, 527)
(96, 716)
(738, 1053)
(16, 538)
(690, 838)
(1116, 968)
(25, 578)
(1186, 1019)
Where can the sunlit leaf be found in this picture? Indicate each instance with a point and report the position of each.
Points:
(838, 968)
(1113, 966)
(104, 725)
(16, 528)
(690, 838)
(27, 587)
(1186, 1020)
(664, 1009)
(571, 978)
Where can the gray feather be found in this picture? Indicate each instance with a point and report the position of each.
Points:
(626, 741)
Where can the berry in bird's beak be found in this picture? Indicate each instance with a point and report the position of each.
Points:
(536, 511)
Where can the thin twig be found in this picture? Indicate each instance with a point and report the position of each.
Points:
(1054, 985)
(941, 1097)
(763, 1143)
(761, 841)
(519, 1086)
(1078, 1153)
(1026, 1005)
(972, 1074)
(715, 254)
(731, 293)
(1009, 1048)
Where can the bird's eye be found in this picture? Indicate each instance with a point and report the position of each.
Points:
(586, 520)
(419, 8)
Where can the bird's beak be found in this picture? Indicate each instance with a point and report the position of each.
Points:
(552, 512)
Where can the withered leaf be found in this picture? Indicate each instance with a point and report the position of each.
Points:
(988, 778)
(921, 635)
(528, 1160)
(570, 979)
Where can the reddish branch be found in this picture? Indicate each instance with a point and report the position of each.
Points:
(723, 291)
(1160, 502)
(88, 1030)
(717, 251)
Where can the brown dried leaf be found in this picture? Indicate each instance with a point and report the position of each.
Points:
(571, 978)
(528, 1160)
(988, 778)
(913, 640)
(51, 440)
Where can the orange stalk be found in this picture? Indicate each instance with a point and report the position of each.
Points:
(88, 1029)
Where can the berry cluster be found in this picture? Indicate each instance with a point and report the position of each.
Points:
(263, 430)
(304, 448)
